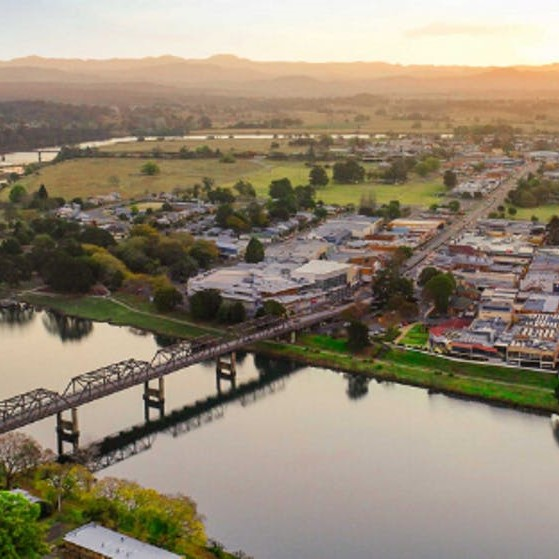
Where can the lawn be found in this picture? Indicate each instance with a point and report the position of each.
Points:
(324, 342)
(543, 213)
(105, 310)
(89, 177)
(416, 336)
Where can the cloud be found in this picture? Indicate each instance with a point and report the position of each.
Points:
(439, 29)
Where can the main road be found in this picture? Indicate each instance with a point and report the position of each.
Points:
(487, 205)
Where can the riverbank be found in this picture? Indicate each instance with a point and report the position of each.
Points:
(514, 388)
(505, 386)
(120, 310)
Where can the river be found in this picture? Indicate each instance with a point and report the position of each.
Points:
(315, 463)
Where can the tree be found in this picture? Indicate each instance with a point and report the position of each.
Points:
(281, 189)
(166, 298)
(11, 246)
(512, 211)
(97, 236)
(357, 336)
(450, 179)
(21, 535)
(254, 252)
(271, 307)
(60, 481)
(305, 197)
(204, 252)
(231, 313)
(439, 289)
(454, 206)
(283, 201)
(69, 274)
(150, 168)
(426, 274)
(18, 453)
(318, 176)
(552, 231)
(204, 305)
(348, 172)
(183, 268)
(17, 193)
(398, 171)
(42, 193)
(164, 521)
(245, 188)
(389, 282)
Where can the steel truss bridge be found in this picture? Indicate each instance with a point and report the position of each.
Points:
(41, 403)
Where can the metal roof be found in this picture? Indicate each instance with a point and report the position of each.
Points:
(113, 545)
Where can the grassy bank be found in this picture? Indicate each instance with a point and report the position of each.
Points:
(124, 311)
(516, 388)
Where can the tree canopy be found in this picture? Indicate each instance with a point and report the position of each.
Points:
(254, 252)
(318, 176)
(18, 453)
(21, 535)
(348, 172)
(150, 168)
(357, 336)
(439, 290)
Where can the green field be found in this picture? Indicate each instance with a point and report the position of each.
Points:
(90, 177)
(543, 213)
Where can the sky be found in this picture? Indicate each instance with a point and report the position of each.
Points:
(465, 32)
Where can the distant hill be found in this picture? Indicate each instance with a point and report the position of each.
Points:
(170, 77)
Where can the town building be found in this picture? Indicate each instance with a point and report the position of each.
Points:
(93, 541)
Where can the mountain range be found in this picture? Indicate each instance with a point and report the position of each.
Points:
(170, 77)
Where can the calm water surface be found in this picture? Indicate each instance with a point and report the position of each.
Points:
(324, 467)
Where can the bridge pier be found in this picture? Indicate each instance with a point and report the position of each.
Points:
(67, 431)
(154, 398)
(226, 369)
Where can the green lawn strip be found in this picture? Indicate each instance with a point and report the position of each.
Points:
(416, 336)
(475, 370)
(530, 391)
(105, 310)
(324, 342)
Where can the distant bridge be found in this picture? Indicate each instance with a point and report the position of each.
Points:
(41, 403)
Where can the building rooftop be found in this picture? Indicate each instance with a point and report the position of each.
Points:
(114, 545)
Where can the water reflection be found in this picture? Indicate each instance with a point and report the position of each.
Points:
(357, 386)
(67, 328)
(555, 427)
(265, 365)
(164, 341)
(125, 444)
(17, 315)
